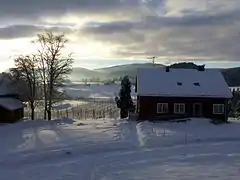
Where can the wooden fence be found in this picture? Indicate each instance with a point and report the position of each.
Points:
(89, 110)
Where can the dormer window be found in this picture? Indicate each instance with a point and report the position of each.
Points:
(196, 84)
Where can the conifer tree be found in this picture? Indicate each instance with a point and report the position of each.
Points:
(124, 101)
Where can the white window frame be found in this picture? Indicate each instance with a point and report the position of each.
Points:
(177, 108)
(218, 108)
(160, 109)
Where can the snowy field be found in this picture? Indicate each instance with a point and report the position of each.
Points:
(110, 149)
(82, 96)
(92, 91)
(66, 104)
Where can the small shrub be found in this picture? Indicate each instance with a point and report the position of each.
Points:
(217, 121)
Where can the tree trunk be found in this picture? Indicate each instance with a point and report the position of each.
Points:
(32, 110)
(50, 97)
(44, 90)
(45, 99)
(123, 114)
(45, 108)
(49, 110)
(49, 113)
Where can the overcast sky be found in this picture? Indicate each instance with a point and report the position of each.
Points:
(108, 32)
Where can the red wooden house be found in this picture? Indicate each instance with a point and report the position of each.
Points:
(164, 93)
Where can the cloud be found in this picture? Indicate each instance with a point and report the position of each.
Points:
(157, 22)
(170, 29)
(18, 31)
(23, 31)
(21, 11)
(192, 43)
(213, 35)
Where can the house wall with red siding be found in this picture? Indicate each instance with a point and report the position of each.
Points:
(8, 116)
(147, 107)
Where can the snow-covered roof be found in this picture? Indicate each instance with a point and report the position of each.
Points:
(11, 103)
(181, 83)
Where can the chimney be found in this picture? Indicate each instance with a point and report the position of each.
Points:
(167, 68)
(201, 67)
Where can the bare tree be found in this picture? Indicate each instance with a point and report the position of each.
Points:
(25, 78)
(85, 81)
(52, 65)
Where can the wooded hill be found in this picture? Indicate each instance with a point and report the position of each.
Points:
(232, 75)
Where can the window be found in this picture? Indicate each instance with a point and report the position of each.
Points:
(179, 108)
(162, 107)
(218, 108)
(196, 84)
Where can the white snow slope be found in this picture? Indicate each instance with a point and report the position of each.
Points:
(110, 149)
(94, 91)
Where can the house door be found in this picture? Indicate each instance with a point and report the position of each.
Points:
(197, 109)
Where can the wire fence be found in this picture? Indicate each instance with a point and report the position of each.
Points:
(88, 110)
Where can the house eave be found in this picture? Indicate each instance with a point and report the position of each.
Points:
(187, 95)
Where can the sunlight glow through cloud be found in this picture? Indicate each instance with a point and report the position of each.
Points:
(174, 30)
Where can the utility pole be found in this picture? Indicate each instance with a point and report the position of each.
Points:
(153, 59)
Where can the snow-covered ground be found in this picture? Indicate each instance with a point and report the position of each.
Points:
(66, 104)
(110, 149)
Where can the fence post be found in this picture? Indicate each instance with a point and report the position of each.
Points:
(94, 114)
(58, 114)
(185, 133)
(81, 116)
(164, 131)
(67, 113)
